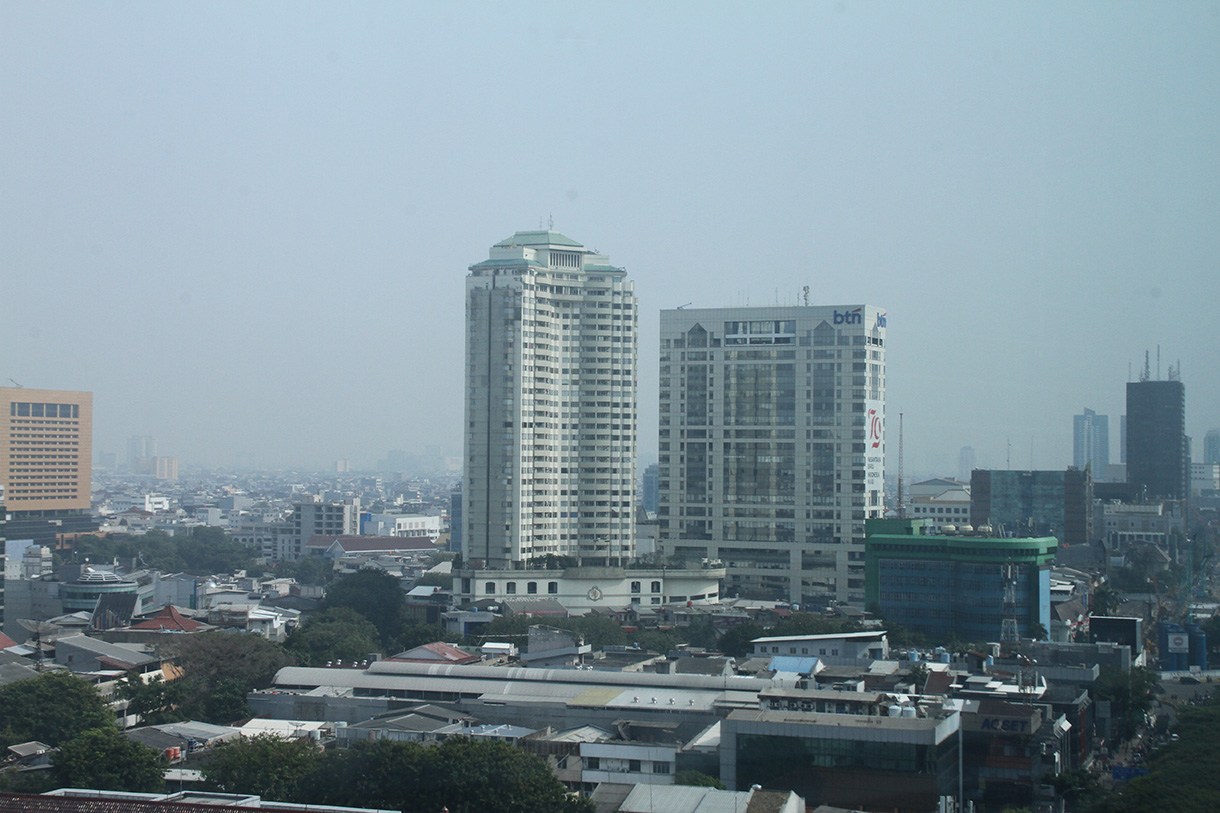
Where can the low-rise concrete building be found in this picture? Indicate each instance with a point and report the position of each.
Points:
(582, 589)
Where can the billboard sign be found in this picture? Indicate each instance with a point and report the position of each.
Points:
(1179, 642)
(874, 447)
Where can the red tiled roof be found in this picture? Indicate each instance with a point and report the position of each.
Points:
(438, 651)
(169, 619)
(6, 642)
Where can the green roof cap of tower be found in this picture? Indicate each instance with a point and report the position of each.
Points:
(538, 238)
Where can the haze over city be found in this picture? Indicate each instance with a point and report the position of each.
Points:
(246, 229)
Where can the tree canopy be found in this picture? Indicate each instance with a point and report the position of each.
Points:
(51, 708)
(374, 594)
(1183, 776)
(104, 759)
(339, 633)
(220, 669)
(200, 551)
(272, 767)
(461, 774)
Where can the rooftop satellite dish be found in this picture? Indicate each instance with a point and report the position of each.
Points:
(39, 629)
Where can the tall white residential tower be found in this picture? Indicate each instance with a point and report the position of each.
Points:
(550, 405)
(772, 445)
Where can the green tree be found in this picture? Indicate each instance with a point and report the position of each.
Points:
(1183, 776)
(1106, 600)
(1079, 789)
(598, 631)
(266, 765)
(1130, 695)
(380, 774)
(811, 624)
(154, 701)
(309, 570)
(51, 708)
(463, 775)
(103, 759)
(470, 776)
(736, 642)
(223, 662)
(441, 580)
(918, 675)
(339, 633)
(697, 779)
(374, 594)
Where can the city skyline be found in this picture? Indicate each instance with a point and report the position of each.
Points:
(209, 210)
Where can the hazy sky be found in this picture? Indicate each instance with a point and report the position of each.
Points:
(246, 227)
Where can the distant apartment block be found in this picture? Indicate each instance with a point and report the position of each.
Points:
(1211, 448)
(1034, 503)
(321, 518)
(965, 463)
(941, 502)
(650, 496)
(1091, 441)
(1158, 455)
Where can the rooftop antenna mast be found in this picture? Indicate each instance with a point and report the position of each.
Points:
(805, 292)
(1158, 362)
(1145, 374)
(1008, 629)
(901, 510)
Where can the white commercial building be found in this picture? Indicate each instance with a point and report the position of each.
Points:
(550, 413)
(772, 445)
(583, 589)
(408, 525)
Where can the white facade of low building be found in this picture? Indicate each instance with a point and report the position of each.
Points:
(582, 589)
(627, 763)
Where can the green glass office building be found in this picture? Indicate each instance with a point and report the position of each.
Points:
(946, 585)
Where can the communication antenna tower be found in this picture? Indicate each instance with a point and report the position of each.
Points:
(1146, 373)
(805, 292)
(1008, 629)
(901, 509)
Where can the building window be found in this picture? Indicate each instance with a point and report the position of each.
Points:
(633, 765)
(593, 763)
(635, 587)
(656, 587)
(490, 588)
(511, 588)
(552, 587)
(660, 767)
(531, 588)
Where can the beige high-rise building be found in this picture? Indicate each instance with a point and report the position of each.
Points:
(550, 404)
(46, 450)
